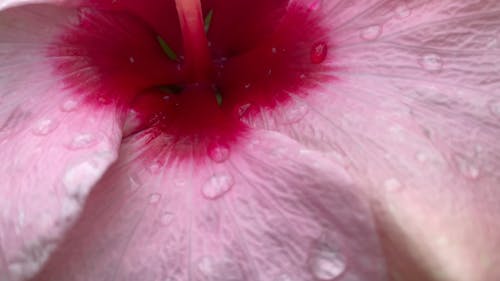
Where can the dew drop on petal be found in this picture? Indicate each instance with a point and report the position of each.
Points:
(69, 105)
(206, 265)
(392, 185)
(217, 186)
(327, 264)
(166, 218)
(218, 152)
(431, 63)
(421, 157)
(154, 198)
(44, 127)
(154, 168)
(403, 11)
(319, 51)
(371, 33)
(82, 141)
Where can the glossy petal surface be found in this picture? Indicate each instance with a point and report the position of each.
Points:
(272, 211)
(410, 124)
(53, 150)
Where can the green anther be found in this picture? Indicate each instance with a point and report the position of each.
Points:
(208, 20)
(166, 49)
(218, 97)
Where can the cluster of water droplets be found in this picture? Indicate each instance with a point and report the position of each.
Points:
(430, 62)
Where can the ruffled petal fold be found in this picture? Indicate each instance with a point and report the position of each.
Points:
(272, 211)
(414, 114)
(53, 147)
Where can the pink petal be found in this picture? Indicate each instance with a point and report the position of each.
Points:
(53, 148)
(4, 4)
(271, 211)
(414, 115)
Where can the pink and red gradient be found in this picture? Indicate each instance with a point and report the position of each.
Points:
(252, 64)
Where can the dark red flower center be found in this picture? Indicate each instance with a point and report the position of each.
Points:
(194, 70)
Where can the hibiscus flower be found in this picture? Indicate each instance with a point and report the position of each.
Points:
(234, 140)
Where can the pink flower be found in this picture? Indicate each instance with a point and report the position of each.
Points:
(233, 140)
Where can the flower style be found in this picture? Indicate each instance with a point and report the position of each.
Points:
(289, 140)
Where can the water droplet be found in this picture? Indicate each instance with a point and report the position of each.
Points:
(82, 141)
(431, 62)
(327, 264)
(154, 198)
(495, 108)
(217, 186)
(392, 185)
(274, 50)
(69, 105)
(167, 218)
(45, 127)
(294, 113)
(421, 157)
(319, 52)
(132, 60)
(154, 168)
(403, 11)
(371, 33)
(466, 168)
(218, 152)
